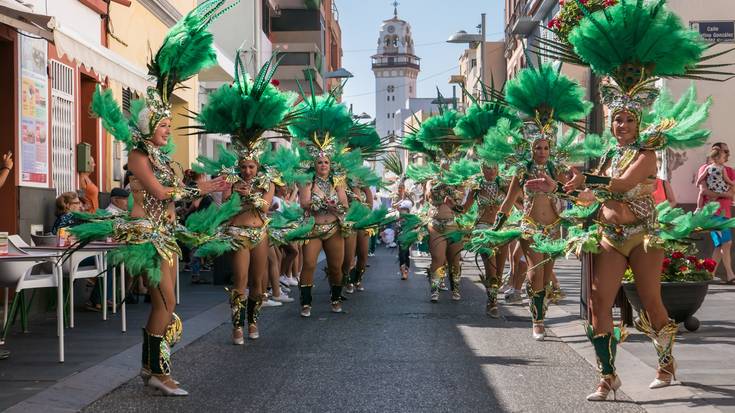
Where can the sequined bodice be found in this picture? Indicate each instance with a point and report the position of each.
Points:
(159, 212)
(440, 191)
(323, 195)
(258, 186)
(489, 194)
(532, 172)
(639, 199)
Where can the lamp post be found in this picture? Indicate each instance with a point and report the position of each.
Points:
(464, 37)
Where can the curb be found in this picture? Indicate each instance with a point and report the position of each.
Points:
(77, 391)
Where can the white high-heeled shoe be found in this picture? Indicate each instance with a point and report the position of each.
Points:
(604, 388)
(238, 341)
(146, 375)
(538, 336)
(157, 383)
(253, 333)
(658, 383)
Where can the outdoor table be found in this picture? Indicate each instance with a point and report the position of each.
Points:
(51, 257)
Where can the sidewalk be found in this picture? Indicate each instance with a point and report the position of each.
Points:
(706, 357)
(33, 368)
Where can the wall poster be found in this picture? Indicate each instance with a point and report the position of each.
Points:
(34, 157)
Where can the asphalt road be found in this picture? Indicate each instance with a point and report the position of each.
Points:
(391, 351)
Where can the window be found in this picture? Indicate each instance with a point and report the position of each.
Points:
(393, 98)
(388, 115)
(388, 98)
(391, 89)
(473, 63)
(295, 59)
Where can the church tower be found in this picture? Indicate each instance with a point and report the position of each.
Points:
(396, 68)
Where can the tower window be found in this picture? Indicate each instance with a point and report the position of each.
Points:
(388, 98)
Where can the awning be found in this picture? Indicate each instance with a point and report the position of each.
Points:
(102, 60)
(223, 71)
(16, 15)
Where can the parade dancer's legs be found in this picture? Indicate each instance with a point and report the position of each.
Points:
(363, 241)
(256, 285)
(536, 289)
(454, 256)
(334, 248)
(437, 269)
(241, 269)
(310, 254)
(158, 336)
(493, 276)
(654, 321)
(349, 258)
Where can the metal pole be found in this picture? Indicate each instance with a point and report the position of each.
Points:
(482, 51)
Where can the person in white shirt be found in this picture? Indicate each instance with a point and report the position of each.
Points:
(118, 201)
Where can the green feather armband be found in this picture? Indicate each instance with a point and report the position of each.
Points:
(500, 219)
(596, 180)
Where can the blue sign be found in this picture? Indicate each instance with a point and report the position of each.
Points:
(715, 31)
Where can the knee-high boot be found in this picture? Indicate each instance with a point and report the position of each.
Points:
(605, 346)
(663, 342)
(305, 294)
(455, 273)
(236, 307)
(253, 307)
(435, 278)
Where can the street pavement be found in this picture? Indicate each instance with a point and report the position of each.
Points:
(391, 351)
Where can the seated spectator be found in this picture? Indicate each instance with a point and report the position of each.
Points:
(66, 204)
(118, 202)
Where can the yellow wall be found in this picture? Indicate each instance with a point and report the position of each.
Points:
(143, 33)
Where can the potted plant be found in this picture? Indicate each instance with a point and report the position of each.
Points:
(684, 284)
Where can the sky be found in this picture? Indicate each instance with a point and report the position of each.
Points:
(432, 22)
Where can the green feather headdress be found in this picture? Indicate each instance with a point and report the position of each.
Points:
(483, 115)
(323, 124)
(545, 97)
(186, 50)
(247, 108)
(635, 43)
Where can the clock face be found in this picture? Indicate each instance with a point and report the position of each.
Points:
(391, 29)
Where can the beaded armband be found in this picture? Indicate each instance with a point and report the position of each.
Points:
(596, 180)
(178, 193)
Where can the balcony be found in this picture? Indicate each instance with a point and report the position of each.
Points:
(383, 61)
(298, 58)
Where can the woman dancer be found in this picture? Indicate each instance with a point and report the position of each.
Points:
(149, 233)
(625, 180)
(436, 138)
(245, 110)
(545, 98)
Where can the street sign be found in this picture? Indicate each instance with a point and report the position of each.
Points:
(715, 31)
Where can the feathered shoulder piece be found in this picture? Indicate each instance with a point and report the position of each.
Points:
(633, 42)
(247, 108)
(676, 124)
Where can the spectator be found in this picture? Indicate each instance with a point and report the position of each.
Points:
(722, 240)
(66, 204)
(90, 197)
(6, 165)
(118, 202)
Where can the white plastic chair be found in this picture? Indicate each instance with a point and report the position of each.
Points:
(72, 271)
(19, 275)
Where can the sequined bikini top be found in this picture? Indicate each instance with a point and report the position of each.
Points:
(489, 194)
(254, 201)
(639, 198)
(323, 195)
(440, 190)
(533, 171)
(158, 210)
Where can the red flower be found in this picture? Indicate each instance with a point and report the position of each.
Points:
(699, 265)
(677, 255)
(683, 268)
(666, 262)
(275, 82)
(561, 3)
(584, 2)
(710, 264)
(609, 3)
(692, 258)
(553, 23)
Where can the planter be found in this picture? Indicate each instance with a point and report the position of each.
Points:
(681, 299)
